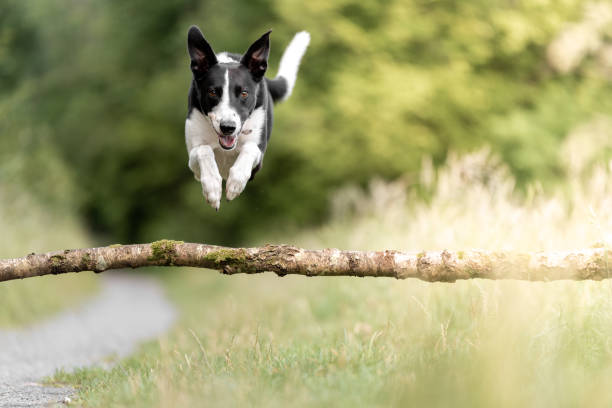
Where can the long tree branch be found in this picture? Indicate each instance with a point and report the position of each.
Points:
(444, 266)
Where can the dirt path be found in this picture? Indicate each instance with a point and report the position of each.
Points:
(128, 310)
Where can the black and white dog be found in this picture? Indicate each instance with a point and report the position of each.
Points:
(230, 110)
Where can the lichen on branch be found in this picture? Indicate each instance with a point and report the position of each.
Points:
(440, 266)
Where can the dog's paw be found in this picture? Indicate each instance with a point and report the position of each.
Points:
(236, 183)
(211, 188)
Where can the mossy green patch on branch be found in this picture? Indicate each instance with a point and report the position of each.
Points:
(56, 262)
(473, 273)
(226, 255)
(164, 250)
(57, 259)
(234, 260)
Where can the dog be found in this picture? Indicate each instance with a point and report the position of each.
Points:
(229, 118)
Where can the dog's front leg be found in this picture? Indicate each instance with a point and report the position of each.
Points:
(202, 163)
(240, 173)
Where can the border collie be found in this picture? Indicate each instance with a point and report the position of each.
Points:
(229, 117)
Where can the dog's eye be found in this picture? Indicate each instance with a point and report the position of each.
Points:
(212, 93)
(244, 94)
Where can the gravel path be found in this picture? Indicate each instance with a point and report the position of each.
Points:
(130, 309)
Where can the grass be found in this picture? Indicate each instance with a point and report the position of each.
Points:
(31, 300)
(29, 226)
(267, 341)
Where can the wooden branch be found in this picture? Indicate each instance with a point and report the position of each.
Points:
(444, 266)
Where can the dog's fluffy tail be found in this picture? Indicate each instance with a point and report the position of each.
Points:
(282, 86)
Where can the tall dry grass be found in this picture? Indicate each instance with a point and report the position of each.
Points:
(474, 203)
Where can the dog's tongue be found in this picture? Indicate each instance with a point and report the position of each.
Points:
(227, 141)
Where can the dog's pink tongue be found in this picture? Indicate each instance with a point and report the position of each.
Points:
(227, 141)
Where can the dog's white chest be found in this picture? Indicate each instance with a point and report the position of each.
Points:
(199, 131)
(225, 160)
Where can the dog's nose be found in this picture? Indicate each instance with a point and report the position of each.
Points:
(227, 128)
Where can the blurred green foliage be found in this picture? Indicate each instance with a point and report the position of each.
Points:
(93, 100)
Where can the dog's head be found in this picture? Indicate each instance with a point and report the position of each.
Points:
(227, 90)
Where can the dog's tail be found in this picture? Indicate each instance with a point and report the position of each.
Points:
(282, 86)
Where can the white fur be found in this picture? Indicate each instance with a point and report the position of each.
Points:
(251, 133)
(202, 163)
(201, 140)
(240, 173)
(291, 58)
(210, 163)
(253, 127)
(199, 131)
(223, 111)
(249, 156)
(224, 58)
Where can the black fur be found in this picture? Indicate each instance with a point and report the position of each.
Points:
(277, 88)
(208, 74)
(235, 105)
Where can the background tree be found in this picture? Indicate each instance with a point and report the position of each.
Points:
(93, 99)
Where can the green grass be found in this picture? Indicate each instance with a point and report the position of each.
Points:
(295, 341)
(266, 341)
(31, 300)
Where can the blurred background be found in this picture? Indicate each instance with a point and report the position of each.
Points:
(414, 125)
(93, 101)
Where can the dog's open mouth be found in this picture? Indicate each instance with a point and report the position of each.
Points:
(228, 142)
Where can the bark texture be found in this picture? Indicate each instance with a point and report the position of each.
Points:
(444, 266)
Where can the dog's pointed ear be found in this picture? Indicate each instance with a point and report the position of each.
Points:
(256, 57)
(201, 53)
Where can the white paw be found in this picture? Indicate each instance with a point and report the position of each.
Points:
(236, 183)
(194, 166)
(211, 188)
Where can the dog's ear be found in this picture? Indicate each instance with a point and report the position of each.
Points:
(256, 57)
(201, 53)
